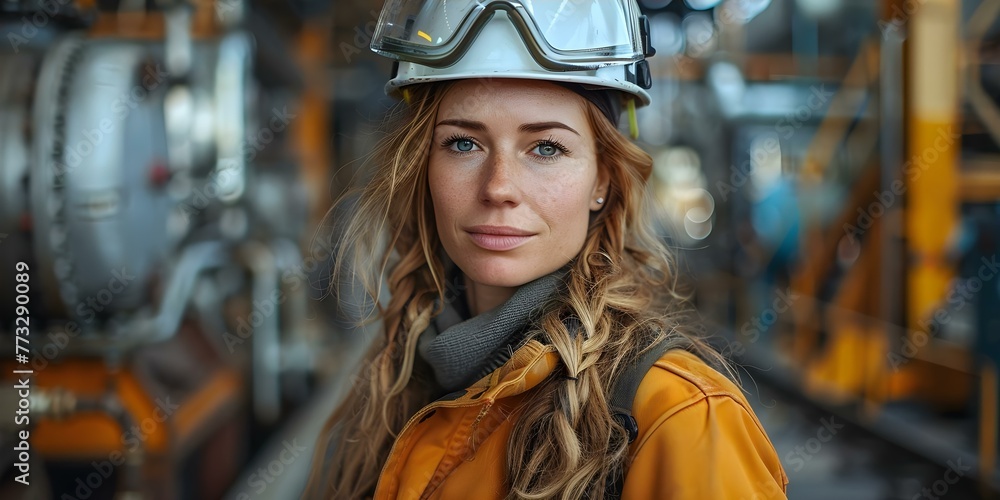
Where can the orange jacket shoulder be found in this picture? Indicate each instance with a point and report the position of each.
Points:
(698, 437)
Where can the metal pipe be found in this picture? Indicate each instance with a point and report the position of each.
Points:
(289, 258)
(298, 347)
(194, 260)
(891, 133)
(266, 342)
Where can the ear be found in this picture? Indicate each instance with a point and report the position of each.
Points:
(601, 189)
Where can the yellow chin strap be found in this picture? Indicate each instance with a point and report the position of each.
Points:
(633, 121)
(406, 95)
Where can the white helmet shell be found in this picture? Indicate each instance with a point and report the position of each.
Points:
(499, 52)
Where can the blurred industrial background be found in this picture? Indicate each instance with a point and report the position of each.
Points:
(829, 171)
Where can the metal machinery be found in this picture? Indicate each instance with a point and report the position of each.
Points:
(856, 205)
(147, 183)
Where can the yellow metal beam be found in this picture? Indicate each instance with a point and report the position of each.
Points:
(934, 137)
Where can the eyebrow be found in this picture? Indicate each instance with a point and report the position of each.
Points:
(542, 126)
(469, 124)
(527, 127)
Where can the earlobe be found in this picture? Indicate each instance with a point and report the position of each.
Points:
(598, 202)
(603, 180)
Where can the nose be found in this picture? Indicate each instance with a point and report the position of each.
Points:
(500, 182)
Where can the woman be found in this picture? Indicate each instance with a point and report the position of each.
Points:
(523, 280)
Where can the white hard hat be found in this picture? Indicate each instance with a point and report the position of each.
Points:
(598, 44)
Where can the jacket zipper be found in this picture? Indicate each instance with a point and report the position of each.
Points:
(449, 404)
(418, 415)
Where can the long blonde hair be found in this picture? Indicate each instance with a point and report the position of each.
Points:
(620, 288)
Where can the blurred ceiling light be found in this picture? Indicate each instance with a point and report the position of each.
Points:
(698, 215)
(697, 225)
(702, 4)
(726, 80)
(679, 167)
(765, 161)
(667, 33)
(704, 207)
(740, 11)
(679, 188)
(700, 35)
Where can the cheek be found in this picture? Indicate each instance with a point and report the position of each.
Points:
(566, 208)
(446, 191)
(437, 182)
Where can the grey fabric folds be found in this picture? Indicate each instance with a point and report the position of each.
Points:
(461, 351)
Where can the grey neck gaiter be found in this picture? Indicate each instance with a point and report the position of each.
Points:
(463, 351)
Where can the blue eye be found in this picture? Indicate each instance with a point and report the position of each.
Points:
(547, 150)
(459, 144)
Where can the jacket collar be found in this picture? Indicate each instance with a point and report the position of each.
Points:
(462, 351)
(528, 366)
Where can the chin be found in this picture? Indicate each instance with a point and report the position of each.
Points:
(500, 271)
(506, 276)
(506, 271)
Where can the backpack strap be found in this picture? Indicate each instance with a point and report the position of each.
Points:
(622, 396)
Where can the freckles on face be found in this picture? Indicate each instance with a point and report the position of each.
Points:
(513, 176)
(563, 206)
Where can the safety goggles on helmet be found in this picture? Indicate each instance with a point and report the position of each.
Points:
(562, 35)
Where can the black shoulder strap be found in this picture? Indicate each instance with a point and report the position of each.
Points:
(622, 395)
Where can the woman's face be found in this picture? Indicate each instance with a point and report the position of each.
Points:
(513, 177)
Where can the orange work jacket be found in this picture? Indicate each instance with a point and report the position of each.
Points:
(698, 438)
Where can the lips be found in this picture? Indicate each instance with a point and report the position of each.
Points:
(498, 238)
